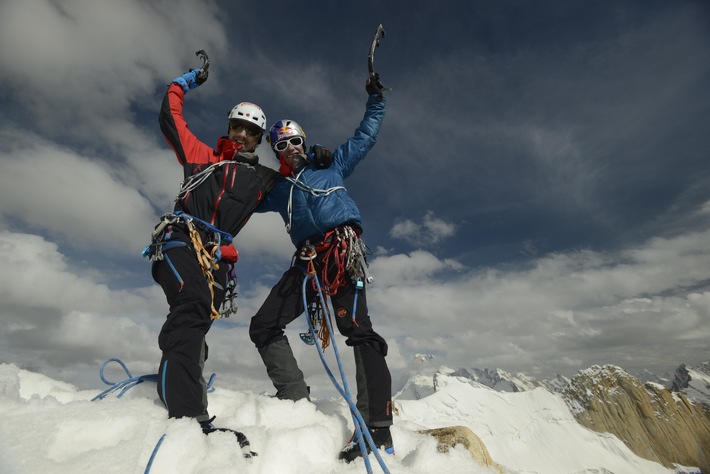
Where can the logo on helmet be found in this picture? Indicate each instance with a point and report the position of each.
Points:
(285, 129)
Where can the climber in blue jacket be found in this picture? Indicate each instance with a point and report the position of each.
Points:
(324, 224)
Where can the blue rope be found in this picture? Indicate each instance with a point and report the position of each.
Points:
(152, 455)
(123, 385)
(131, 381)
(363, 434)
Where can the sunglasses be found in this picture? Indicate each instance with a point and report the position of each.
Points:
(283, 144)
(241, 126)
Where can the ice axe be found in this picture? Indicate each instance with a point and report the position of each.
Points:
(374, 77)
(202, 75)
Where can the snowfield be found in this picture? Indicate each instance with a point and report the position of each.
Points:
(47, 426)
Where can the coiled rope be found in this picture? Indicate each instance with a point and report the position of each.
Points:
(295, 183)
(131, 381)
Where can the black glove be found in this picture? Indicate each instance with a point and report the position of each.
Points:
(374, 86)
(320, 156)
(299, 162)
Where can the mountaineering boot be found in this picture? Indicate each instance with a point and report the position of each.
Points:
(380, 436)
(283, 370)
(208, 427)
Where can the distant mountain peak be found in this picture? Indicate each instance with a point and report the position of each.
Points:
(693, 382)
(423, 357)
(422, 385)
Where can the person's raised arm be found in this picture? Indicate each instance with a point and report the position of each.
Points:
(188, 148)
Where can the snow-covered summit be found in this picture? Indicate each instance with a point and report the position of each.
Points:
(47, 426)
(498, 379)
(424, 384)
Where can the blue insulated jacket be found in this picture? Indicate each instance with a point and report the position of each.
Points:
(314, 211)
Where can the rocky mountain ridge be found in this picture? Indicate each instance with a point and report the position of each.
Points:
(663, 419)
(654, 422)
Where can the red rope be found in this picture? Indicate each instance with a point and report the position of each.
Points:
(334, 256)
(323, 332)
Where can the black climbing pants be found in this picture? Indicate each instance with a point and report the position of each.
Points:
(181, 385)
(285, 303)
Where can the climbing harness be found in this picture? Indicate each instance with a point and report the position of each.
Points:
(362, 432)
(131, 381)
(161, 236)
(208, 254)
(295, 183)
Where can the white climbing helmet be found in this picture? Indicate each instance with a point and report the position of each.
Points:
(249, 112)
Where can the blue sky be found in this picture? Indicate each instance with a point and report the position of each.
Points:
(537, 200)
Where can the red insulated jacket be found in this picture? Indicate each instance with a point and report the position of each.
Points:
(231, 192)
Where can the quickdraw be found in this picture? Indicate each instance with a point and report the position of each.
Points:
(229, 303)
(317, 312)
(345, 251)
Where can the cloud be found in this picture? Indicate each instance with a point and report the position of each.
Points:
(564, 308)
(265, 236)
(56, 315)
(86, 63)
(431, 231)
(72, 197)
(77, 79)
(560, 313)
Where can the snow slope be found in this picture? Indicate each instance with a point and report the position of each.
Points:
(48, 426)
